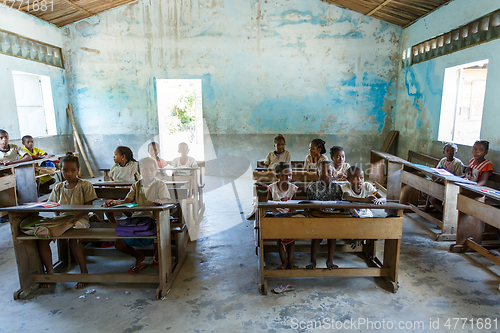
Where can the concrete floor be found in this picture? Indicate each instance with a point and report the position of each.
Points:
(217, 289)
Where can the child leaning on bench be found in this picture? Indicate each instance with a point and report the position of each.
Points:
(325, 189)
(146, 192)
(283, 190)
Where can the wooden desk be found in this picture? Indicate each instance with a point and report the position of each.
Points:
(390, 229)
(379, 171)
(30, 268)
(169, 183)
(297, 176)
(8, 195)
(413, 176)
(295, 165)
(26, 179)
(472, 213)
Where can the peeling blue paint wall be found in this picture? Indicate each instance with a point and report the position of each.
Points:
(300, 68)
(420, 86)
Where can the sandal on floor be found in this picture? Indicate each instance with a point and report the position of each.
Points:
(135, 269)
(156, 264)
(283, 288)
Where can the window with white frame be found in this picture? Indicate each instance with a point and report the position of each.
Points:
(462, 103)
(35, 106)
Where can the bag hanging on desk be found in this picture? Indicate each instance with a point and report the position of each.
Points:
(141, 226)
(47, 228)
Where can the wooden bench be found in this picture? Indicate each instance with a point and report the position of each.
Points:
(30, 268)
(475, 206)
(385, 173)
(8, 194)
(427, 159)
(372, 229)
(295, 165)
(297, 176)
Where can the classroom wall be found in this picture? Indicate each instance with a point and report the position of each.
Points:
(25, 25)
(302, 68)
(420, 86)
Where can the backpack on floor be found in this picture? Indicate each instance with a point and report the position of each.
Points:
(141, 226)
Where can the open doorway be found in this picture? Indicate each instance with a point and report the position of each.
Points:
(180, 117)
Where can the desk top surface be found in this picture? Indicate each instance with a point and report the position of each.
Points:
(53, 158)
(390, 157)
(83, 208)
(328, 204)
(128, 184)
(429, 171)
(483, 190)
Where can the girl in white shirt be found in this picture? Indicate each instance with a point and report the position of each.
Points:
(316, 151)
(126, 168)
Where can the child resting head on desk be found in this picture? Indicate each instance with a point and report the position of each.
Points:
(125, 168)
(340, 166)
(73, 191)
(283, 190)
(146, 192)
(357, 190)
(279, 154)
(316, 151)
(325, 189)
(36, 153)
(9, 153)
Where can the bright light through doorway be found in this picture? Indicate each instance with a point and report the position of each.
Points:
(180, 116)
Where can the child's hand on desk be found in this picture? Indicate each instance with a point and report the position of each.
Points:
(342, 177)
(110, 203)
(379, 201)
(371, 198)
(157, 203)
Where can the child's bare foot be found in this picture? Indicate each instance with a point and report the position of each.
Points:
(282, 266)
(139, 260)
(330, 265)
(312, 265)
(80, 285)
(293, 267)
(495, 252)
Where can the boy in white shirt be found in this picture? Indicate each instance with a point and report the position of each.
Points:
(184, 161)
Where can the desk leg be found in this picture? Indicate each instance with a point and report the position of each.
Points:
(26, 185)
(392, 249)
(164, 253)
(450, 213)
(468, 227)
(262, 278)
(27, 258)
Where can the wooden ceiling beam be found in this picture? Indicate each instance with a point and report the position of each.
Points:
(376, 9)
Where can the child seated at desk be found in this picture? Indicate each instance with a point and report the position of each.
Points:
(283, 190)
(9, 153)
(279, 154)
(73, 191)
(340, 166)
(325, 189)
(146, 192)
(316, 151)
(451, 164)
(36, 153)
(479, 168)
(357, 190)
(126, 168)
(154, 152)
(184, 161)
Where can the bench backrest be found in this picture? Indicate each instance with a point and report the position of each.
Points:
(295, 164)
(297, 176)
(433, 161)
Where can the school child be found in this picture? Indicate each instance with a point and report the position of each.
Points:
(357, 190)
(480, 167)
(325, 189)
(340, 166)
(283, 190)
(146, 192)
(36, 153)
(9, 153)
(154, 151)
(279, 154)
(126, 168)
(73, 191)
(184, 161)
(451, 164)
(316, 151)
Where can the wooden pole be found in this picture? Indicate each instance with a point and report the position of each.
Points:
(75, 135)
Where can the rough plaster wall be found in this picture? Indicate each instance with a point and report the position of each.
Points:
(420, 86)
(28, 26)
(300, 68)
